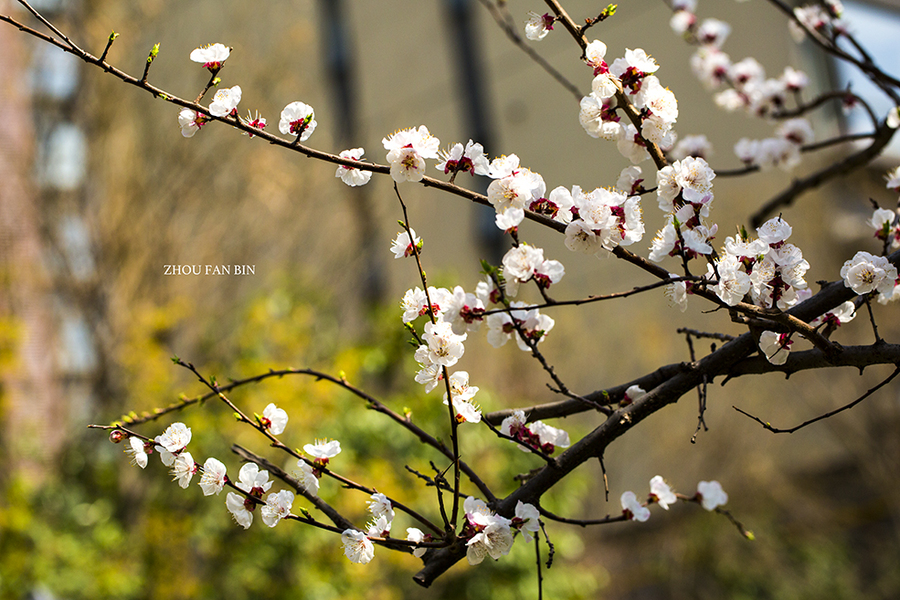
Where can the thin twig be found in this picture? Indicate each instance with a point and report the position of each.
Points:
(701, 392)
(454, 424)
(769, 427)
(512, 33)
(582, 522)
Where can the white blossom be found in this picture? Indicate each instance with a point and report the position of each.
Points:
(460, 159)
(893, 179)
(380, 505)
(323, 450)
(462, 394)
(250, 478)
(711, 494)
(865, 273)
(463, 311)
(138, 451)
(277, 507)
(379, 526)
(661, 492)
(402, 246)
(174, 439)
(357, 547)
(274, 419)
(236, 505)
(594, 54)
(493, 536)
(713, 32)
(634, 392)
(527, 520)
(734, 283)
(211, 56)
(633, 508)
(225, 101)
(307, 478)
(298, 118)
(414, 534)
(676, 295)
(697, 146)
(407, 151)
(797, 131)
(775, 347)
(213, 477)
(190, 122)
(537, 26)
(351, 175)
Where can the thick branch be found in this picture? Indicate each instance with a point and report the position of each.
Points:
(720, 362)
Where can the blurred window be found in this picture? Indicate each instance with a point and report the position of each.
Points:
(876, 26)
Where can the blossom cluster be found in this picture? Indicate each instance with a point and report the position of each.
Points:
(535, 435)
(453, 314)
(172, 448)
(709, 494)
(747, 88)
(456, 313)
(633, 75)
(769, 268)
(782, 150)
(485, 532)
(684, 193)
(866, 273)
(358, 546)
(297, 118)
(823, 19)
(489, 534)
(602, 220)
(768, 271)
(513, 190)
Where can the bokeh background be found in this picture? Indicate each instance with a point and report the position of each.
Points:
(99, 191)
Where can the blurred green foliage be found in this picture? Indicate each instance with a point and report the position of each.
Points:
(99, 527)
